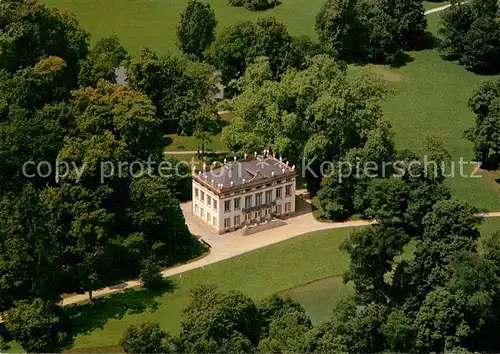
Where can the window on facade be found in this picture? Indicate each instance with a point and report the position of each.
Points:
(202, 213)
(209, 217)
(279, 192)
(278, 209)
(237, 203)
(215, 204)
(197, 209)
(288, 190)
(237, 220)
(269, 196)
(202, 196)
(288, 207)
(214, 221)
(227, 223)
(248, 216)
(258, 199)
(258, 214)
(209, 200)
(267, 211)
(248, 202)
(196, 193)
(227, 206)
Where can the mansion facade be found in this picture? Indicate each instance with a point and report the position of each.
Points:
(244, 192)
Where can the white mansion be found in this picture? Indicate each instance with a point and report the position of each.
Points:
(244, 192)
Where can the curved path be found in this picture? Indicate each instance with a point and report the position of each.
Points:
(235, 243)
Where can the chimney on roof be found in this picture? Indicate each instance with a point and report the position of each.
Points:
(293, 168)
(243, 181)
(212, 181)
(272, 174)
(205, 177)
(214, 163)
(231, 183)
(225, 161)
(282, 170)
(255, 154)
(245, 155)
(287, 163)
(234, 158)
(281, 159)
(204, 167)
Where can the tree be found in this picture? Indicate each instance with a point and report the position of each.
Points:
(33, 31)
(102, 62)
(440, 323)
(288, 333)
(338, 26)
(196, 29)
(215, 320)
(150, 274)
(233, 48)
(372, 253)
(470, 33)
(177, 88)
(399, 332)
(147, 338)
(412, 22)
(36, 325)
(301, 116)
(30, 260)
(481, 52)
(485, 135)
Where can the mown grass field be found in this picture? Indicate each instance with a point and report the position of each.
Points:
(429, 95)
(152, 23)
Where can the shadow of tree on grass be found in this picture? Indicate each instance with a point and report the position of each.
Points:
(87, 317)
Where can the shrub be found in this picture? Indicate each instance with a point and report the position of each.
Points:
(255, 5)
(146, 338)
(36, 325)
(150, 274)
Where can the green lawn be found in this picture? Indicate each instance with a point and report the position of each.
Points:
(152, 23)
(429, 95)
(265, 271)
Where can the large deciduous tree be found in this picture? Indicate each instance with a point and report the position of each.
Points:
(31, 31)
(470, 33)
(485, 135)
(196, 29)
(36, 325)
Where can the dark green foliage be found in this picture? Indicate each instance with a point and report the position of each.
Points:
(178, 88)
(239, 45)
(372, 253)
(214, 321)
(150, 274)
(32, 31)
(106, 56)
(399, 332)
(485, 135)
(146, 338)
(36, 325)
(373, 31)
(471, 33)
(353, 328)
(196, 29)
(255, 5)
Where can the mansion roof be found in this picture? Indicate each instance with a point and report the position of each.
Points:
(245, 172)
